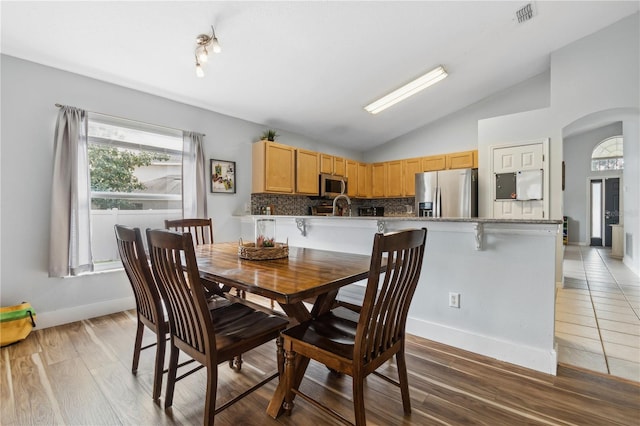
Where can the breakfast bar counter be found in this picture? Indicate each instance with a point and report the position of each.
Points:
(502, 271)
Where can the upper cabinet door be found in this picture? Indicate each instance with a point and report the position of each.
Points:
(326, 164)
(339, 166)
(409, 169)
(279, 168)
(272, 168)
(351, 169)
(378, 179)
(364, 180)
(394, 179)
(306, 172)
(434, 163)
(460, 160)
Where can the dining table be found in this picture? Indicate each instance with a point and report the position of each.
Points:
(306, 274)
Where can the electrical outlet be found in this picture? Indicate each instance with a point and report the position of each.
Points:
(454, 300)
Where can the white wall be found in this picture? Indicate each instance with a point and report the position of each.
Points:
(631, 191)
(459, 131)
(513, 129)
(599, 75)
(596, 74)
(29, 92)
(577, 150)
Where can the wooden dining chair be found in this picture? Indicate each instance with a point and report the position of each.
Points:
(149, 309)
(200, 229)
(202, 232)
(209, 337)
(357, 344)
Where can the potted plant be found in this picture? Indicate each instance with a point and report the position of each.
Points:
(270, 135)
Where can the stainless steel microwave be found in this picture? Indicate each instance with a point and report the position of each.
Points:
(331, 186)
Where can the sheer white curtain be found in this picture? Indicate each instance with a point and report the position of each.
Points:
(194, 176)
(70, 234)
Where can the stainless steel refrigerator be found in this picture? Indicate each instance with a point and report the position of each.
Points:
(447, 193)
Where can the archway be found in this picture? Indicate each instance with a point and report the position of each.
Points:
(624, 121)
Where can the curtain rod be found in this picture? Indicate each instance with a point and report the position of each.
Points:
(128, 119)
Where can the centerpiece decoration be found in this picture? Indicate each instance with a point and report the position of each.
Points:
(265, 246)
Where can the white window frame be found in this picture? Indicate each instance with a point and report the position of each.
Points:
(148, 218)
(602, 163)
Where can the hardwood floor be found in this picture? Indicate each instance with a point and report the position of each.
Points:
(80, 374)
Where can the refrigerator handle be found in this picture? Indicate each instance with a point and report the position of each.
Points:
(436, 212)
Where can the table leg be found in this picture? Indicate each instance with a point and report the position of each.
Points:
(275, 405)
(297, 312)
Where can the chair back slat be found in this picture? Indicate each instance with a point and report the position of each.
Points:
(389, 292)
(200, 229)
(136, 266)
(174, 266)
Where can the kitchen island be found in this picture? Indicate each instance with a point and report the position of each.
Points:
(502, 270)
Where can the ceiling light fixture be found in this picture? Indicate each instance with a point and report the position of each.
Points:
(407, 90)
(199, 70)
(203, 42)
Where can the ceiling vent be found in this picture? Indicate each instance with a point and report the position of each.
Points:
(524, 13)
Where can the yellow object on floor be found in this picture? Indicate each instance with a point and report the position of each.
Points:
(16, 322)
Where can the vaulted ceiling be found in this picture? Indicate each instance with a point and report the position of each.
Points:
(306, 67)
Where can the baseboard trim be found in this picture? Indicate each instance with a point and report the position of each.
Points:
(545, 361)
(78, 313)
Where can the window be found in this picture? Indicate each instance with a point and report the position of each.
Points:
(136, 180)
(608, 155)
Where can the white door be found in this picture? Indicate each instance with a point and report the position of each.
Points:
(512, 159)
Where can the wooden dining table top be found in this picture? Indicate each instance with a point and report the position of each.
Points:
(306, 273)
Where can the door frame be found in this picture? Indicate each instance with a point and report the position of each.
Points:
(602, 176)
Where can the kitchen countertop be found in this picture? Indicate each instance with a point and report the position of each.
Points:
(425, 219)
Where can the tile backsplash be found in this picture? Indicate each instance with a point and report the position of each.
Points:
(300, 205)
(288, 205)
(392, 206)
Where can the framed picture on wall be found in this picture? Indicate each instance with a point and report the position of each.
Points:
(223, 176)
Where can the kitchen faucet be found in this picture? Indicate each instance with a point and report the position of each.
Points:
(335, 200)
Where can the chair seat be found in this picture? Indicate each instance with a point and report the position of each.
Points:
(333, 332)
(236, 324)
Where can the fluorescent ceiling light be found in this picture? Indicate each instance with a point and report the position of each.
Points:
(407, 90)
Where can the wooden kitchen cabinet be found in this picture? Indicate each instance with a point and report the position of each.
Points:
(409, 169)
(339, 166)
(393, 179)
(460, 160)
(273, 168)
(326, 164)
(378, 179)
(434, 163)
(351, 173)
(475, 159)
(332, 165)
(364, 180)
(306, 172)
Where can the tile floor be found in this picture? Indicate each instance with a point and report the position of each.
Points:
(598, 313)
